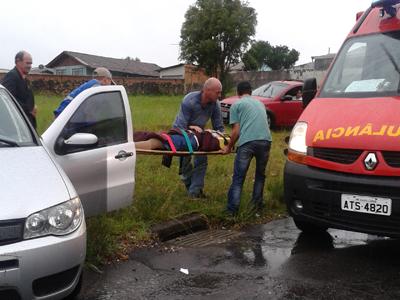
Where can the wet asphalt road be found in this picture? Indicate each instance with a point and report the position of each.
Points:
(271, 261)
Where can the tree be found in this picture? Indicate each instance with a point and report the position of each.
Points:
(215, 33)
(276, 57)
(282, 58)
(256, 57)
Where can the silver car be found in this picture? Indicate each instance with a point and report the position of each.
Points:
(42, 225)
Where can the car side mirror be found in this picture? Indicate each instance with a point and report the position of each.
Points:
(81, 139)
(286, 98)
(309, 90)
(77, 142)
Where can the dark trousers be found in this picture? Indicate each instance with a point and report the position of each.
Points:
(244, 155)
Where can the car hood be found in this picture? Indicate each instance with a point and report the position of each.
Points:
(233, 99)
(230, 100)
(365, 124)
(29, 182)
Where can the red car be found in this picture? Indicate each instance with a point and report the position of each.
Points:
(281, 99)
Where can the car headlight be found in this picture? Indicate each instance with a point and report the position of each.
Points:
(297, 144)
(61, 219)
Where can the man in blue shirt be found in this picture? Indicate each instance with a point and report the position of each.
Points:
(196, 109)
(251, 129)
(102, 77)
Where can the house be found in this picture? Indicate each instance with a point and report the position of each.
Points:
(41, 70)
(239, 67)
(75, 63)
(193, 76)
(306, 66)
(173, 72)
(323, 62)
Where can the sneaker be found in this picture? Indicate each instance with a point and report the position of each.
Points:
(198, 196)
(259, 207)
(228, 214)
(187, 185)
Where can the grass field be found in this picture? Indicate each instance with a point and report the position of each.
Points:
(159, 194)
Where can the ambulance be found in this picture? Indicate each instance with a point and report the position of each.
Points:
(343, 161)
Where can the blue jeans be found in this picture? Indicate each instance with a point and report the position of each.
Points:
(193, 175)
(244, 155)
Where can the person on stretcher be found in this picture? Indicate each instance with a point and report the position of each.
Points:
(181, 140)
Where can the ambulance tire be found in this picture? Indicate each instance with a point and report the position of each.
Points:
(307, 227)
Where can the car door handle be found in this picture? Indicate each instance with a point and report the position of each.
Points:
(123, 155)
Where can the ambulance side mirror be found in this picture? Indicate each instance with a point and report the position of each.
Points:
(309, 90)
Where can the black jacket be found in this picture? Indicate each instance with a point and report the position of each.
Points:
(21, 91)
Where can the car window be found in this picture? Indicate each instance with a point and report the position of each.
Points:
(101, 114)
(270, 90)
(294, 93)
(13, 127)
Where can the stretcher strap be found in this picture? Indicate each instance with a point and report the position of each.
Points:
(189, 144)
(171, 144)
(222, 135)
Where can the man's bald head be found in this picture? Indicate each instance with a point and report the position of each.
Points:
(212, 90)
(212, 82)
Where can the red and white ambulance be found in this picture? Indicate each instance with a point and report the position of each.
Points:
(343, 166)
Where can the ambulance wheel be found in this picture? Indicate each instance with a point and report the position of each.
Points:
(307, 227)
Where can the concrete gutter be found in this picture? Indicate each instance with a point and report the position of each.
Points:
(183, 225)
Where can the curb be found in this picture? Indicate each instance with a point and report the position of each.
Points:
(183, 225)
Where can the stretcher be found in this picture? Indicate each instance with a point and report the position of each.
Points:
(150, 145)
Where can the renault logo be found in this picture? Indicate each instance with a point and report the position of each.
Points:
(370, 161)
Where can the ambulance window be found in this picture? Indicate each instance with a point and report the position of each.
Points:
(366, 66)
(353, 65)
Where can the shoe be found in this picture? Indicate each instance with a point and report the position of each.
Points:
(187, 186)
(229, 214)
(198, 196)
(258, 207)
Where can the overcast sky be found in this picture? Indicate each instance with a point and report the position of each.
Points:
(150, 29)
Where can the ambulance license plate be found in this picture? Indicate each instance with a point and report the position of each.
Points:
(367, 204)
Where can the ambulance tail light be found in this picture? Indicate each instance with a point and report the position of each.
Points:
(297, 148)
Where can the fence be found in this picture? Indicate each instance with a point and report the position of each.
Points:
(63, 84)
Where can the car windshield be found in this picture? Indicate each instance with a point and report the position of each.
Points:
(13, 128)
(367, 66)
(270, 90)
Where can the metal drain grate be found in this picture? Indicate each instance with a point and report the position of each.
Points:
(204, 238)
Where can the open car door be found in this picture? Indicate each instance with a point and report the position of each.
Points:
(92, 140)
